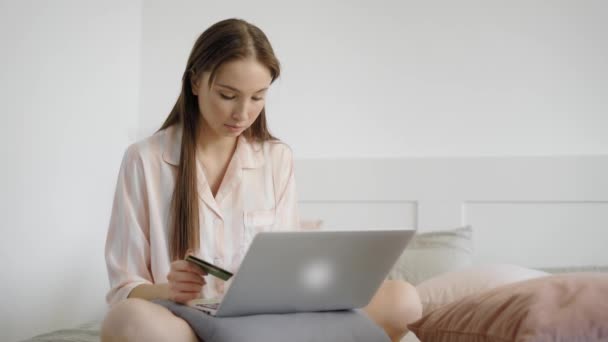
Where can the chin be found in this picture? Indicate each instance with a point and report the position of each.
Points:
(232, 134)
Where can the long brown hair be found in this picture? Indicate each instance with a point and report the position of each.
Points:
(224, 41)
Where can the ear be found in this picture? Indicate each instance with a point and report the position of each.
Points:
(194, 83)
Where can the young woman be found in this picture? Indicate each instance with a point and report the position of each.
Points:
(205, 183)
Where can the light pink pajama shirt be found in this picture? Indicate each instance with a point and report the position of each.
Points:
(257, 193)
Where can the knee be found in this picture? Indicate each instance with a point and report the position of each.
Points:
(406, 305)
(124, 321)
(137, 319)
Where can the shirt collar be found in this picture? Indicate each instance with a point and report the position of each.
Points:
(249, 153)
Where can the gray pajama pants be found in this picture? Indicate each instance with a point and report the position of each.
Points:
(333, 326)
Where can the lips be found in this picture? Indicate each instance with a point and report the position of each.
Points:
(235, 127)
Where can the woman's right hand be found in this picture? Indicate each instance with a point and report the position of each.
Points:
(185, 281)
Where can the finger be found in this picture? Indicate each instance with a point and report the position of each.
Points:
(185, 277)
(196, 269)
(186, 287)
(183, 265)
(189, 252)
(180, 265)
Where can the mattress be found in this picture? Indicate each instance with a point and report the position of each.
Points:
(87, 332)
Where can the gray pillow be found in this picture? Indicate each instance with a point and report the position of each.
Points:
(433, 253)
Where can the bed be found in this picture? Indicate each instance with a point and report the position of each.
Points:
(539, 213)
(89, 331)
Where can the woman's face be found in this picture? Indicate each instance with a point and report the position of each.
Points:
(236, 97)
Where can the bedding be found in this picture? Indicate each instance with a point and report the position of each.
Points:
(564, 307)
(432, 253)
(89, 331)
(449, 287)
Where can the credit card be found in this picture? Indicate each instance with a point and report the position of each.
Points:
(210, 268)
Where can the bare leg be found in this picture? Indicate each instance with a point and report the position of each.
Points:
(137, 319)
(393, 307)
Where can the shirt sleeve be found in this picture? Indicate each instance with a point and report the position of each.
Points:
(127, 249)
(286, 211)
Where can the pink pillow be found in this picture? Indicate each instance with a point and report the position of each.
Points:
(449, 287)
(567, 307)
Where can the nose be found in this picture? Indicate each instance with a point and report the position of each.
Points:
(240, 112)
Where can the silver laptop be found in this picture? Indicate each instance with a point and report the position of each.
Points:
(301, 271)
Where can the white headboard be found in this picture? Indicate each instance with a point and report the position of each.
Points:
(532, 211)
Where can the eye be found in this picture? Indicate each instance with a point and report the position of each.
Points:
(257, 98)
(226, 97)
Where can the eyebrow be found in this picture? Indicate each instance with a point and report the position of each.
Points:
(238, 91)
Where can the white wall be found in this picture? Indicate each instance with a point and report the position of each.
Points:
(69, 100)
(409, 78)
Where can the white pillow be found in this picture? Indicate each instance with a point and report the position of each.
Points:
(433, 253)
(449, 287)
